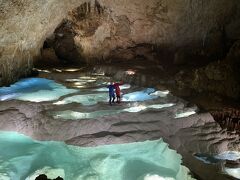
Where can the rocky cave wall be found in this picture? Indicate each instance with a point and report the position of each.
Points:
(24, 25)
(111, 29)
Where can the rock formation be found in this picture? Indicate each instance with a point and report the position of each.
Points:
(220, 77)
(69, 118)
(201, 34)
(101, 29)
(228, 118)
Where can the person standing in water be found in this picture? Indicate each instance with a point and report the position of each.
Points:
(111, 88)
(118, 91)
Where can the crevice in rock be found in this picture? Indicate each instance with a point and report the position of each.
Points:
(228, 118)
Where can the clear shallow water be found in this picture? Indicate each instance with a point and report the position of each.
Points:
(144, 95)
(85, 100)
(41, 89)
(206, 158)
(92, 99)
(219, 158)
(235, 172)
(92, 91)
(23, 158)
(35, 90)
(227, 155)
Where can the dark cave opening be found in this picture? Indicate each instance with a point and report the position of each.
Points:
(60, 49)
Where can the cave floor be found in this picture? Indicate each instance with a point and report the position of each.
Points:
(71, 105)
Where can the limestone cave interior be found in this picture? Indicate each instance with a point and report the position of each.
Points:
(177, 63)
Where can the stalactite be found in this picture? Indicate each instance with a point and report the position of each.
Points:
(228, 118)
(98, 7)
(89, 7)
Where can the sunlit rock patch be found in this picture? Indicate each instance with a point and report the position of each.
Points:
(21, 157)
(42, 70)
(185, 114)
(81, 82)
(88, 81)
(68, 114)
(72, 69)
(141, 107)
(35, 90)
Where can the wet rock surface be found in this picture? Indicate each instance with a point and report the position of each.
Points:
(24, 27)
(219, 77)
(228, 118)
(189, 33)
(188, 135)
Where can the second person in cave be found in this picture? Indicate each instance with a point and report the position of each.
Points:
(114, 86)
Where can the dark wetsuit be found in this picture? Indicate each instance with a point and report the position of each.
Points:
(111, 93)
